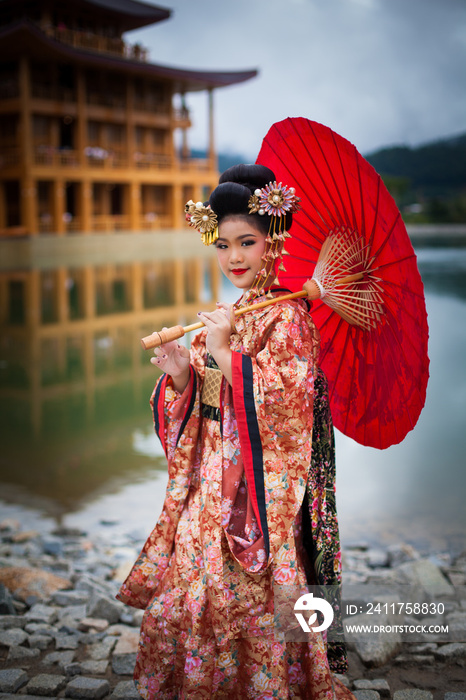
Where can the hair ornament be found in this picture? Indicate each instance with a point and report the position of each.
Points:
(203, 219)
(274, 200)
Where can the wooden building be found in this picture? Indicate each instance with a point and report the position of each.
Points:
(87, 123)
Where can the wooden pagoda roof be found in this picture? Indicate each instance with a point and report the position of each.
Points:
(25, 37)
(128, 14)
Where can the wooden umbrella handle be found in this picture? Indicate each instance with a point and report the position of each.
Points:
(158, 338)
(310, 290)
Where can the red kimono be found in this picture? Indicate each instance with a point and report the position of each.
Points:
(230, 531)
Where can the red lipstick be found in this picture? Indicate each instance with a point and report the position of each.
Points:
(239, 271)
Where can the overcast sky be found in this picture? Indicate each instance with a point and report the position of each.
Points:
(379, 72)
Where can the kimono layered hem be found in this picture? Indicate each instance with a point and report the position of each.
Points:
(230, 530)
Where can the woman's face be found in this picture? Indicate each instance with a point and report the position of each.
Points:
(240, 248)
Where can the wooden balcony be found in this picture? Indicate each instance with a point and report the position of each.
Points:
(95, 42)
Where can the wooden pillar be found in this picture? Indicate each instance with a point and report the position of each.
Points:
(58, 206)
(85, 206)
(89, 372)
(130, 127)
(28, 203)
(81, 125)
(62, 300)
(134, 204)
(136, 287)
(88, 296)
(178, 216)
(178, 283)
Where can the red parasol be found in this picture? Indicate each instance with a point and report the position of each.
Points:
(377, 373)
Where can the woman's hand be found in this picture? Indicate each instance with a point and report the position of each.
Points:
(218, 324)
(173, 359)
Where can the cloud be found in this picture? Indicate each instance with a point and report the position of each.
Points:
(376, 72)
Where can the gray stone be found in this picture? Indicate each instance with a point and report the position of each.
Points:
(425, 576)
(378, 650)
(400, 553)
(46, 684)
(412, 694)
(39, 628)
(126, 690)
(93, 585)
(422, 648)
(66, 598)
(454, 696)
(457, 627)
(60, 658)
(123, 664)
(344, 680)
(455, 650)
(66, 641)
(41, 613)
(94, 668)
(22, 653)
(423, 659)
(366, 695)
(11, 679)
(105, 608)
(72, 612)
(39, 641)
(8, 622)
(72, 669)
(83, 687)
(6, 601)
(377, 558)
(102, 650)
(378, 684)
(13, 637)
(52, 546)
(92, 623)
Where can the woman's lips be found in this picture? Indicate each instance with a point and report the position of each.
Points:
(239, 271)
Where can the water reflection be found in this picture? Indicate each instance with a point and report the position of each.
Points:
(75, 382)
(74, 378)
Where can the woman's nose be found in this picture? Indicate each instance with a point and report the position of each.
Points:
(236, 255)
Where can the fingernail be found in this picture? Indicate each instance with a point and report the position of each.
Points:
(164, 356)
(198, 313)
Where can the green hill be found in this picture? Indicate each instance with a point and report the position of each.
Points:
(428, 182)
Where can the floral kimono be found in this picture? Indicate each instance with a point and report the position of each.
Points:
(240, 467)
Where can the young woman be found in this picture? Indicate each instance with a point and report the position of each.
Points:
(249, 508)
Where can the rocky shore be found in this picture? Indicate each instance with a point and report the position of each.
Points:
(63, 634)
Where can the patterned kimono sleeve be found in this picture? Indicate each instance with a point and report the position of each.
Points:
(273, 403)
(177, 422)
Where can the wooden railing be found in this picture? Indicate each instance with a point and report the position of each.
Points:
(96, 42)
(110, 223)
(103, 158)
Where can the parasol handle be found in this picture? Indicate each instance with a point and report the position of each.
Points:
(310, 290)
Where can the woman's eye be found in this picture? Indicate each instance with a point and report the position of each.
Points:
(250, 242)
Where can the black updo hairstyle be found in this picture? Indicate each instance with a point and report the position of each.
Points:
(236, 185)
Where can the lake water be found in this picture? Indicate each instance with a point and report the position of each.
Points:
(78, 446)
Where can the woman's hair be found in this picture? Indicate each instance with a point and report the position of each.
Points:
(236, 185)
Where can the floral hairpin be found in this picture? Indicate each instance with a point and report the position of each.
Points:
(203, 219)
(276, 200)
